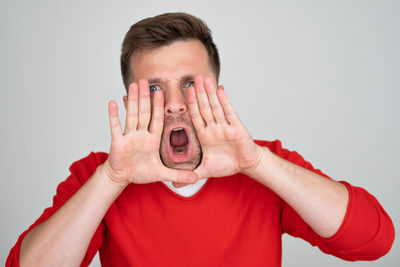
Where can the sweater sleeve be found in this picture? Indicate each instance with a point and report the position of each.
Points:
(366, 233)
(80, 172)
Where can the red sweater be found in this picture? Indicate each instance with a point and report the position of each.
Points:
(231, 221)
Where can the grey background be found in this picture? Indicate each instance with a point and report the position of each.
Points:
(321, 76)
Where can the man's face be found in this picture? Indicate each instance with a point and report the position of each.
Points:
(172, 69)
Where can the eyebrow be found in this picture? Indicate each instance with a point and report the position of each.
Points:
(154, 80)
(158, 80)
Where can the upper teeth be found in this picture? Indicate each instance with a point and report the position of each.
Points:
(177, 129)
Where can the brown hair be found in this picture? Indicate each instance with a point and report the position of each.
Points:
(162, 30)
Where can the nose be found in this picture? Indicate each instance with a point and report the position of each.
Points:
(175, 102)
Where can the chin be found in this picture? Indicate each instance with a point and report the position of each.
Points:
(181, 166)
(189, 165)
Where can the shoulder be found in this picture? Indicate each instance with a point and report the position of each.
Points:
(276, 147)
(289, 155)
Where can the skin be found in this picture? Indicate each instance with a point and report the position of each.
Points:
(170, 68)
(138, 155)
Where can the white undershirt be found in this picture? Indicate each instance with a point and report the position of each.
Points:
(187, 190)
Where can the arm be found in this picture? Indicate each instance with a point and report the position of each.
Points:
(321, 202)
(348, 222)
(64, 237)
(134, 158)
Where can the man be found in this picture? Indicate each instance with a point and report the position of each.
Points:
(180, 128)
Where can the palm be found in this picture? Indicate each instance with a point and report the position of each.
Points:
(136, 155)
(226, 149)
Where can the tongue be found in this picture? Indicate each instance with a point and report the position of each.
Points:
(178, 138)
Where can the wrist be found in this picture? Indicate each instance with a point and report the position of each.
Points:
(106, 170)
(263, 155)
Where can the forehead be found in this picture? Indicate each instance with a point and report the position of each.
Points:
(178, 59)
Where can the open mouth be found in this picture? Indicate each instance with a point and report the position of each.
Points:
(179, 148)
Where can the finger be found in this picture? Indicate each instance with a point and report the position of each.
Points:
(115, 124)
(201, 172)
(144, 105)
(202, 99)
(194, 111)
(216, 107)
(178, 185)
(157, 117)
(230, 113)
(132, 108)
(178, 176)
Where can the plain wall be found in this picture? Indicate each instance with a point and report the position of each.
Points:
(321, 76)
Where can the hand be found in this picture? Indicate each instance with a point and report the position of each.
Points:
(134, 155)
(227, 146)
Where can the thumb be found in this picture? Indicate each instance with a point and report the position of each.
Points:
(178, 185)
(178, 176)
(201, 172)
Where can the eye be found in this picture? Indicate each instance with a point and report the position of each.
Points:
(189, 84)
(154, 88)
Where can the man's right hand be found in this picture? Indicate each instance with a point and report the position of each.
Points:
(134, 154)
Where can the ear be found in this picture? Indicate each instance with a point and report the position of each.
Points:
(125, 99)
(221, 87)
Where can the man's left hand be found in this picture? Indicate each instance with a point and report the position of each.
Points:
(227, 146)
